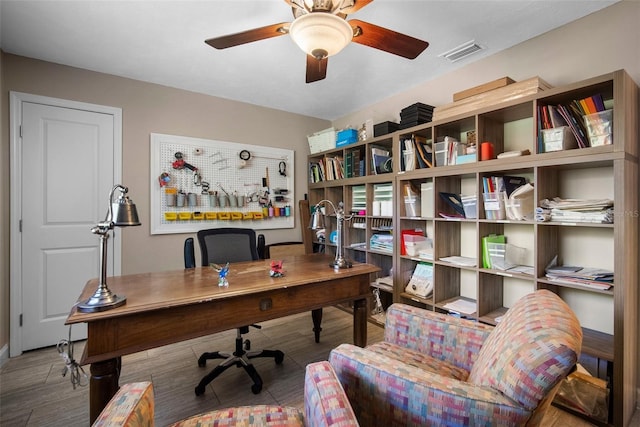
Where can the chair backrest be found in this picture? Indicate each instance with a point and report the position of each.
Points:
(189, 253)
(535, 345)
(281, 249)
(221, 245)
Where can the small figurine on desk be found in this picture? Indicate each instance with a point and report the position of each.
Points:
(276, 269)
(222, 274)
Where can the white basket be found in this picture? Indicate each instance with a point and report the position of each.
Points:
(322, 141)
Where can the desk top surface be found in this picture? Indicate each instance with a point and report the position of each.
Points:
(161, 290)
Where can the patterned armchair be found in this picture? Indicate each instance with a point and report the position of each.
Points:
(434, 369)
(325, 405)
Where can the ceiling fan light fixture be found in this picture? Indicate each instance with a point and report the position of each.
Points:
(321, 34)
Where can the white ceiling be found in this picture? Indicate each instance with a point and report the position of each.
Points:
(163, 42)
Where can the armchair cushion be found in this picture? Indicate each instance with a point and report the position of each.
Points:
(246, 416)
(436, 335)
(386, 391)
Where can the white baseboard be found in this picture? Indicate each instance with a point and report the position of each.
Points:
(4, 354)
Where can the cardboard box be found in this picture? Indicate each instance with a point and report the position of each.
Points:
(486, 87)
(491, 98)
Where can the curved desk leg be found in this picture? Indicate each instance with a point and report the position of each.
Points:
(360, 322)
(103, 384)
(316, 316)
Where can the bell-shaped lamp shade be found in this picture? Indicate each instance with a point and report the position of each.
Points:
(317, 219)
(124, 212)
(321, 34)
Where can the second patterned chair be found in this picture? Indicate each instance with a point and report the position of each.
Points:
(438, 370)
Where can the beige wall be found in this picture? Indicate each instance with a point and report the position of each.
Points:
(148, 108)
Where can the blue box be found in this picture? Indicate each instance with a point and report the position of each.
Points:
(346, 137)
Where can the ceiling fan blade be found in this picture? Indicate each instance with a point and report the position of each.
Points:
(358, 4)
(316, 68)
(249, 36)
(387, 40)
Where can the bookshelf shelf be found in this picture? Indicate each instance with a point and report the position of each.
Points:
(609, 317)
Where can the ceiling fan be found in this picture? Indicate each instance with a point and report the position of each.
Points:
(321, 30)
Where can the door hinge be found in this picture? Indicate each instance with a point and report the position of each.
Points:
(20, 319)
(20, 131)
(20, 226)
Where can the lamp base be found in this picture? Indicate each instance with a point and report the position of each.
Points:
(341, 263)
(102, 302)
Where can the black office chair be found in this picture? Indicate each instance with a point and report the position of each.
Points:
(219, 246)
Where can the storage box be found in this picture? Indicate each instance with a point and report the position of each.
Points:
(413, 244)
(346, 137)
(491, 98)
(384, 128)
(412, 205)
(470, 205)
(447, 151)
(494, 205)
(466, 158)
(322, 141)
(557, 139)
(486, 87)
(600, 128)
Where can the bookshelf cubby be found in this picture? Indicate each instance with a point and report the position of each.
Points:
(609, 317)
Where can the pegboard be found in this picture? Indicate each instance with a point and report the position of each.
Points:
(211, 184)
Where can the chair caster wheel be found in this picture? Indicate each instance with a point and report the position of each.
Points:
(279, 358)
(256, 388)
(202, 363)
(199, 390)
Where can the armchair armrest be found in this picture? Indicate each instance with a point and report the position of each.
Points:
(441, 336)
(325, 402)
(385, 391)
(131, 406)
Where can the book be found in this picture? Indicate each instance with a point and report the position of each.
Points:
(379, 159)
(511, 183)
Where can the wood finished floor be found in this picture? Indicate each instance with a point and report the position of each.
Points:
(33, 392)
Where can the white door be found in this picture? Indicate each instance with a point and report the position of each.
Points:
(67, 171)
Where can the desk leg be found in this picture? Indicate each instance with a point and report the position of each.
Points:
(103, 384)
(316, 316)
(360, 322)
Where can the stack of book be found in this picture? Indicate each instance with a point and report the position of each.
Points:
(576, 210)
(415, 114)
(381, 242)
(592, 278)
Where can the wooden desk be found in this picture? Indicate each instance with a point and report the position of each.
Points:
(168, 307)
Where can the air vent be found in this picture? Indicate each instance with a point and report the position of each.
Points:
(462, 51)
